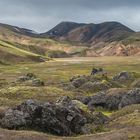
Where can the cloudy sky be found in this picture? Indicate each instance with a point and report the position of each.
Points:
(41, 15)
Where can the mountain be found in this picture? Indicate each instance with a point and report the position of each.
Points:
(127, 47)
(18, 30)
(15, 41)
(67, 39)
(89, 33)
(14, 46)
(62, 29)
(11, 54)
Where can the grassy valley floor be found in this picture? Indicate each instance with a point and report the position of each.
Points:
(54, 74)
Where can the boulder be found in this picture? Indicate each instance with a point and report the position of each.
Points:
(14, 119)
(23, 115)
(95, 86)
(85, 100)
(124, 76)
(91, 83)
(113, 99)
(105, 100)
(68, 87)
(61, 120)
(66, 101)
(132, 97)
(22, 79)
(74, 77)
(30, 79)
(28, 76)
(98, 71)
(77, 82)
(65, 117)
(31, 75)
(37, 82)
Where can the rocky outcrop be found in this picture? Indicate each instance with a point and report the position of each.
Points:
(98, 81)
(79, 81)
(95, 86)
(89, 33)
(132, 97)
(124, 76)
(120, 49)
(30, 79)
(65, 117)
(113, 99)
(28, 76)
(37, 82)
(91, 83)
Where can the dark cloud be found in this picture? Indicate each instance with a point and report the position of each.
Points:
(41, 15)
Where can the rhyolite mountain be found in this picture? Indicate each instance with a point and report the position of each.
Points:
(22, 45)
(67, 39)
(22, 31)
(63, 29)
(89, 33)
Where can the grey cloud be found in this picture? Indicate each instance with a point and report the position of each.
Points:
(80, 3)
(41, 15)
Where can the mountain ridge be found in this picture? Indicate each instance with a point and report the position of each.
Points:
(89, 33)
(71, 39)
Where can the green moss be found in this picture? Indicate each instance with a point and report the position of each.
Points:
(81, 106)
(104, 111)
(104, 82)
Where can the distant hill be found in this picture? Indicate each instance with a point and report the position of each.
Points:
(14, 46)
(63, 29)
(126, 47)
(18, 30)
(67, 39)
(15, 41)
(89, 33)
(11, 54)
